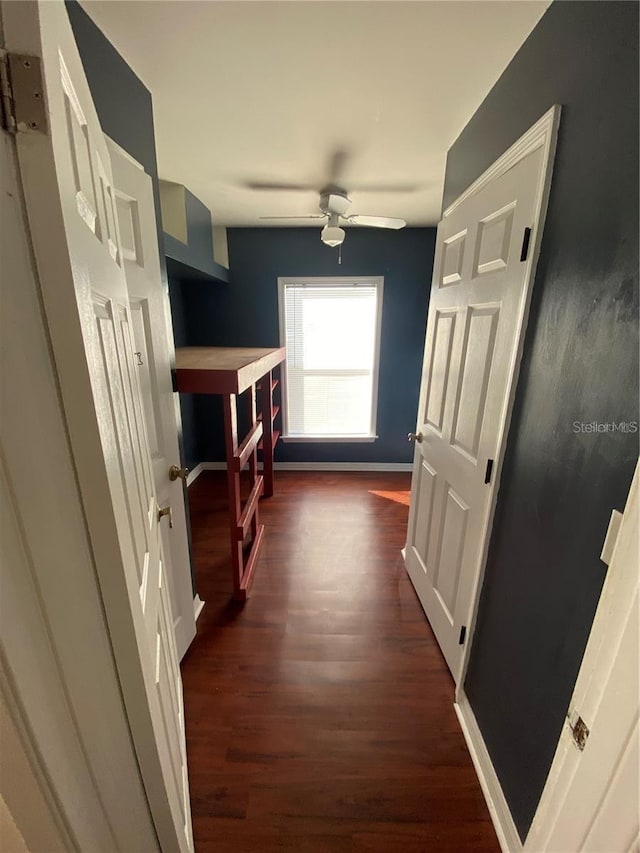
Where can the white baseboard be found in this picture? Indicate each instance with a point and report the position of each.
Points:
(309, 466)
(343, 466)
(491, 788)
(204, 466)
(198, 604)
(194, 473)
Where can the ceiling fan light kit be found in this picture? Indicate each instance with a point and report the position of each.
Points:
(332, 235)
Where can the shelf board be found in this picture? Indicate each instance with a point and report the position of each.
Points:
(181, 264)
(276, 409)
(223, 370)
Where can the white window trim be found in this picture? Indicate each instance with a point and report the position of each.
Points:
(327, 281)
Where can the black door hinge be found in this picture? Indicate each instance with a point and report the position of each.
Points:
(488, 470)
(524, 252)
(463, 634)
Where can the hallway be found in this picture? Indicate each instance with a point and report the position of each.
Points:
(320, 717)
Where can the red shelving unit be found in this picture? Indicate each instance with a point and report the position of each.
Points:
(231, 371)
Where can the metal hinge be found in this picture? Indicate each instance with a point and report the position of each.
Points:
(579, 730)
(463, 634)
(22, 107)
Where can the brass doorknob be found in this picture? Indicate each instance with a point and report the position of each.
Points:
(176, 473)
(412, 436)
(165, 510)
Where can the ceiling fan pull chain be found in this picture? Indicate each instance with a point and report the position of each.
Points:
(340, 254)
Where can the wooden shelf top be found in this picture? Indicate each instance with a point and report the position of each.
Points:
(223, 370)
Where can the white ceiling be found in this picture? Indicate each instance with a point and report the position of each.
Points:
(268, 91)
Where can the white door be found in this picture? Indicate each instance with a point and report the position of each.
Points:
(479, 296)
(70, 207)
(152, 337)
(591, 800)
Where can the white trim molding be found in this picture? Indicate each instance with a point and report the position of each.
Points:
(198, 605)
(379, 467)
(491, 788)
(373, 467)
(327, 281)
(194, 473)
(543, 133)
(328, 439)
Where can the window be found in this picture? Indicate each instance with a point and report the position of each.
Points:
(331, 329)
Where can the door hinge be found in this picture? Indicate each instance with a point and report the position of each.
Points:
(579, 730)
(524, 252)
(488, 470)
(22, 102)
(463, 634)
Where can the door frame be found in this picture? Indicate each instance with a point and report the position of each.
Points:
(543, 134)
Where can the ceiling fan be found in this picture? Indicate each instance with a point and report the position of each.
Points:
(334, 201)
(334, 204)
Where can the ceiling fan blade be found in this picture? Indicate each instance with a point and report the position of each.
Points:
(376, 221)
(266, 185)
(385, 188)
(296, 216)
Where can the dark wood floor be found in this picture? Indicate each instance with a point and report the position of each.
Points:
(320, 716)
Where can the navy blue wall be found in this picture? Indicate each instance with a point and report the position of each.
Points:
(188, 402)
(192, 258)
(544, 576)
(245, 313)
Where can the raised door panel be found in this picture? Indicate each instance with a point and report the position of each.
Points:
(144, 355)
(493, 241)
(79, 147)
(473, 378)
(453, 257)
(424, 511)
(454, 522)
(129, 224)
(439, 368)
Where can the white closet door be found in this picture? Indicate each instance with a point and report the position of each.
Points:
(70, 207)
(481, 277)
(153, 342)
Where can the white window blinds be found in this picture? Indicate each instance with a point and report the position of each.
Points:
(331, 335)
